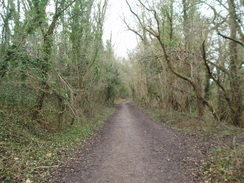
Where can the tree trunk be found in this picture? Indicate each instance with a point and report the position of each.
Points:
(47, 49)
(235, 82)
(200, 102)
(187, 43)
(38, 106)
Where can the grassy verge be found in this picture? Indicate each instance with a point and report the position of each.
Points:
(27, 154)
(225, 162)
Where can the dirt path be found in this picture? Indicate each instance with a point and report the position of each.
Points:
(133, 149)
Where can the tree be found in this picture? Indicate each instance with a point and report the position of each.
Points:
(158, 34)
(233, 96)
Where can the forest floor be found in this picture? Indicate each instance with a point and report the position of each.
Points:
(131, 148)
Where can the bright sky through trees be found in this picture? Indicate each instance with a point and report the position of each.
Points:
(123, 40)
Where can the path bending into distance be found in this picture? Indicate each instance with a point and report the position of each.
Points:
(133, 149)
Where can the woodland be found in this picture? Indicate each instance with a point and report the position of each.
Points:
(58, 78)
(190, 59)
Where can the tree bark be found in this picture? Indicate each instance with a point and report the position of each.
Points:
(235, 82)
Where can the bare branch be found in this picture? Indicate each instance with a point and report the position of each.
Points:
(150, 30)
(219, 67)
(132, 30)
(226, 37)
(211, 74)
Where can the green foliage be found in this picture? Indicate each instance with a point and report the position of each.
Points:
(55, 73)
(27, 151)
(112, 83)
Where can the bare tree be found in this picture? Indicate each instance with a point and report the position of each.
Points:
(159, 35)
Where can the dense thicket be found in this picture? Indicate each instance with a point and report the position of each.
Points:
(190, 56)
(54, 65)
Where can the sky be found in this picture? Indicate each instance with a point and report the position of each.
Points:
(123, 40)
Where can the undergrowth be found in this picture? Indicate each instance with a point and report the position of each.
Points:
(225, 165)
(225, 162)
(28, 152)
